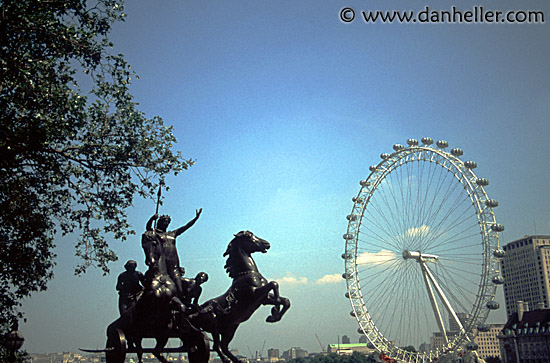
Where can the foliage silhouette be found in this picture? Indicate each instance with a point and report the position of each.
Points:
(74, 148)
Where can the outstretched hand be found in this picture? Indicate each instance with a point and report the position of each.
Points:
(198, 213)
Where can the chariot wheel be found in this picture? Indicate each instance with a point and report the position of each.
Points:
(117, 346)
(199, 351)
(422, 253)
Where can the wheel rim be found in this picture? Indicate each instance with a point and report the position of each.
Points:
(421, 213)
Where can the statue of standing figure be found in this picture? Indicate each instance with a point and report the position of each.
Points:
(159, 238)
(129, 285)
(168, 241)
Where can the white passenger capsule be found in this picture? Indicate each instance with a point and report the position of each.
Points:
(499, 253)
(497, 227)
(493, 305)
(427, 140)
(472, 346)
(364, 183)
(348, 236)
(442, 144)
(398, 147)
(352, 217)
(491, 203)
(347, 256)
(482, 181)
(412, 142)
(457, 152)
(346, 276)
(357, 200)
(470, 164)
(347, 295)
(384, 156)
(372, 168)
(498, 280)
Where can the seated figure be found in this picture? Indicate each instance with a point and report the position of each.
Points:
(192, 290)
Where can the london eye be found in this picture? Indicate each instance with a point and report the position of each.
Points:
(422, 253)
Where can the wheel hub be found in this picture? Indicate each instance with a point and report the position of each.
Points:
(418, 256)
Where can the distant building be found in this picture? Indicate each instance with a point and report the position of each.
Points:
(272, 355)
(363, 339)
(437, 340)
(526, 270)
(345, 340)
(293, 353)
(424, 347)
(66, 357)
(488, 342)
(464, 319)
(526, 336)
(47, 358)
(348, 349)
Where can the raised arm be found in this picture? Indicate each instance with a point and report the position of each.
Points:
(149, 226)
(188, 225)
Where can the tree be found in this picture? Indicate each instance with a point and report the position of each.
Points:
(72, 158)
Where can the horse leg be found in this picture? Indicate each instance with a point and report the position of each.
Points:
(277, 301)
(161, 342)
(216, 347)
(285, 303)
(227, 336)
(139, 349)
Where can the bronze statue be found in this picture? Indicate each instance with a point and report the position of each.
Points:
(163, 304)
(192, 290)
(221, 316)
(129, 286)
(167, 240)
(158, 314)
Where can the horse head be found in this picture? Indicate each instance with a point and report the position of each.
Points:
(239, 250)
(248, 243)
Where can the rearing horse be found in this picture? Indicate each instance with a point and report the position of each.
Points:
(221, 316)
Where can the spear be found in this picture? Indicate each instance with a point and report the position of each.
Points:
(161, 183)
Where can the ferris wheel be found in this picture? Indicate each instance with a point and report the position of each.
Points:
(422, 253)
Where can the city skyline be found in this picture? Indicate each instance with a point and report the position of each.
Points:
(285, 107)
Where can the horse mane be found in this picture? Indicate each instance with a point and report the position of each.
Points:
(231, 249)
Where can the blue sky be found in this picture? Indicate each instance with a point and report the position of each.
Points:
(284, 108)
